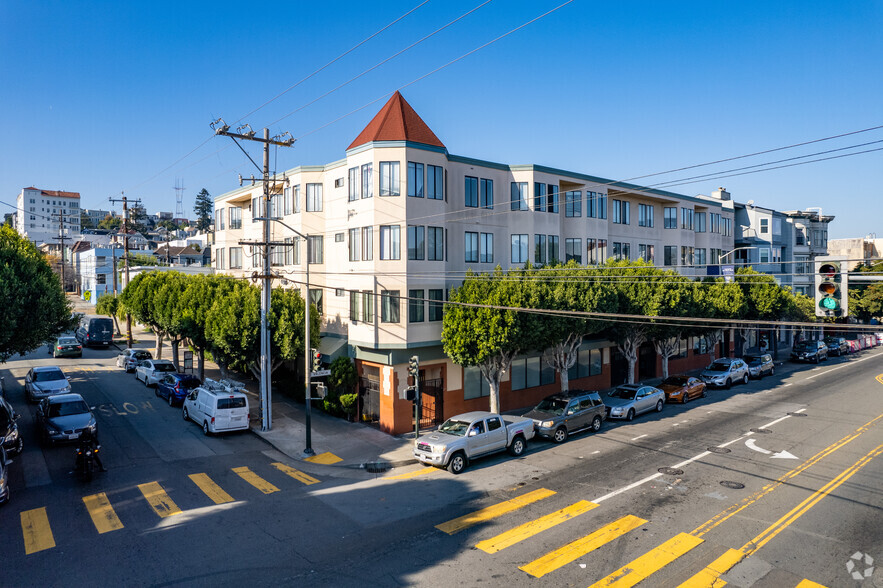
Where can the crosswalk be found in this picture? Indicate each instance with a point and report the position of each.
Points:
(634, 572)
(37, 532)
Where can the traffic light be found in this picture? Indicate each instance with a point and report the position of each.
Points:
(831, 287)
(414, 367)
(317, 359)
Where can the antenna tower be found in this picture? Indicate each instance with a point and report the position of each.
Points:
(179, 198)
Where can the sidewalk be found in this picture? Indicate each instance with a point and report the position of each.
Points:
(334, 440)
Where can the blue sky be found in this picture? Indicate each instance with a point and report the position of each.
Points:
(101, 97)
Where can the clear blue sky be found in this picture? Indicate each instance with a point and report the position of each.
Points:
(100, 96)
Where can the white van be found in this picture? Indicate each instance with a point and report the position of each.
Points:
(217, 406)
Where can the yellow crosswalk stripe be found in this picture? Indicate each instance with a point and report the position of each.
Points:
(709, 576)
(493, 511)
(531, 528)
(296, 474)
(576, 549)
(255, 480)
(414, 474)
(212, 490)
(326, 458)
(810, 583)
(103, 516)
(651, 562)
(158, 500)
(36, 530)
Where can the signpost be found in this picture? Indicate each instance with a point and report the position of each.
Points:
(320, 373)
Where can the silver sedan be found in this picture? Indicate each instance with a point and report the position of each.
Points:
(150, 371)
(629, 400)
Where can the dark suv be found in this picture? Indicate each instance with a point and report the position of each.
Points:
(10, 439)
(559, 415)
(814, 351)
(837, 346)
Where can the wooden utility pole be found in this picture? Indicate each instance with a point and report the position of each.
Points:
(125, 227)
(61, 239)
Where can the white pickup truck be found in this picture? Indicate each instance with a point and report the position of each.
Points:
(473, 434)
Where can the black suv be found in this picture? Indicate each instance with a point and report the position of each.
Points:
(837, 346)
(10, 438)
(814, 351)
(559, 415)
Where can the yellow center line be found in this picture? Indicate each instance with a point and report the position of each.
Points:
(408, 475)
(651, 562)
(493, 511)
(255, 480)
(212, 490)
(158, 500)
(728, 560)
(36, 530)
(296, 474)
(531, 528)
(748, 501)
(879, 379)
(103, 516)
(582, 546)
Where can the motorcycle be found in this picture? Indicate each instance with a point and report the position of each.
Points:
(86, 462)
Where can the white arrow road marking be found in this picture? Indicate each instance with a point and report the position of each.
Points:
(749, 443)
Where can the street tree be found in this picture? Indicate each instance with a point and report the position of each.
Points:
(166, 309)
(232, 328)
(203, 210)
(764, 300)
(719, 299)
(194, 305)
(33, 307)
(138, 297)
(679, 299)
(109, 305)
(110, 223)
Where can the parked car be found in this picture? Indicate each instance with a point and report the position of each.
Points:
(473, 434)
(559, 415)
(837, 346)
(814, 351)
(95, 331)
(879, 337)
(629, 400)
(683, 388)
(63, 417)
(10, 439)
(760, 365)
(130, 358)
(150, 371)
(175, 387)
(65, 347)
(4, 476)
(723, 372)
(45, 381)
(217, 406)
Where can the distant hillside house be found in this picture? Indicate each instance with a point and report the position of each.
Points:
(178, 255)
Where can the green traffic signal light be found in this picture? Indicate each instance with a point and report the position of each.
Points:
(828, 304)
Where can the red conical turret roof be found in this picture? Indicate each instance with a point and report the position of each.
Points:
(397, 121)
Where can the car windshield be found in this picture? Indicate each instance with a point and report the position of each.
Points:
(48, 376)
(67, 341)
(675, 381)
(60, 409)
(719, 367)
(803, 347)
(751, 359)
(554, 406)
(164, 367)
(452, 427)
(625, 393)
(142, 355)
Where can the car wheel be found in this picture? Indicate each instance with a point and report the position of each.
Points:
(631, 415)
(728, 384)
(686, 397)
(596, 424)
(156, 391)
(457, 463)
(171, 401)
(659, 405)
(745, 379)
(560, 435)
(185, 414)
(772, 371)
(519, 445)
(205, 430)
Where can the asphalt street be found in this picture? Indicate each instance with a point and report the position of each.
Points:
(770, 484)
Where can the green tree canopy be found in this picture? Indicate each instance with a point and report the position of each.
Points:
(33, 307)
(203, 210)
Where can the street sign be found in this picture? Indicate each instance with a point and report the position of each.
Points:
(320, 373)
(728, 272)
(188, 360)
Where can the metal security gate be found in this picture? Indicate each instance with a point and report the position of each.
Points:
(369, 398)
(432, 395)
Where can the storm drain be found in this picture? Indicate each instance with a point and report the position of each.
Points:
(764, 431)
(718, 450)
(376, 467)
(670, 471)
(796, 414)
(732, 485)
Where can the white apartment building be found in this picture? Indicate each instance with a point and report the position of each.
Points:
(395, 225)
(39, 214)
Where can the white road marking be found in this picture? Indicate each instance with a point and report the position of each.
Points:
(596, 451)
(801, 410)
(627, 488)
(731, 442)
(692, 459)
(839, 366)
(779, 455)
(638, 437)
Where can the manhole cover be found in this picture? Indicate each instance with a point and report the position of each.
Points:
(719, 450)
(796, 414)
(732, 485)
(764, 431)
(376, 467)
(671, 471)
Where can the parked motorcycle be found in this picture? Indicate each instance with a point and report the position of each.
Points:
(86, 462)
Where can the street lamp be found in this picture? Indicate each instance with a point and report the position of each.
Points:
(720, 258)
(308, 451)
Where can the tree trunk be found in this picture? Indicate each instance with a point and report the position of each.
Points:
(713, 338)
(745, 334)
(492, 369)
(175, 342)
(563, 357)
(159, 339)
(629, 348)
(201, 358)
(666, 348)
(116, 325)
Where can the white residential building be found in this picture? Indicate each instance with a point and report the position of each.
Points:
(40, 214)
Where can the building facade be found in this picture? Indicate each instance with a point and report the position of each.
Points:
(397, 223)
(42, 214)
